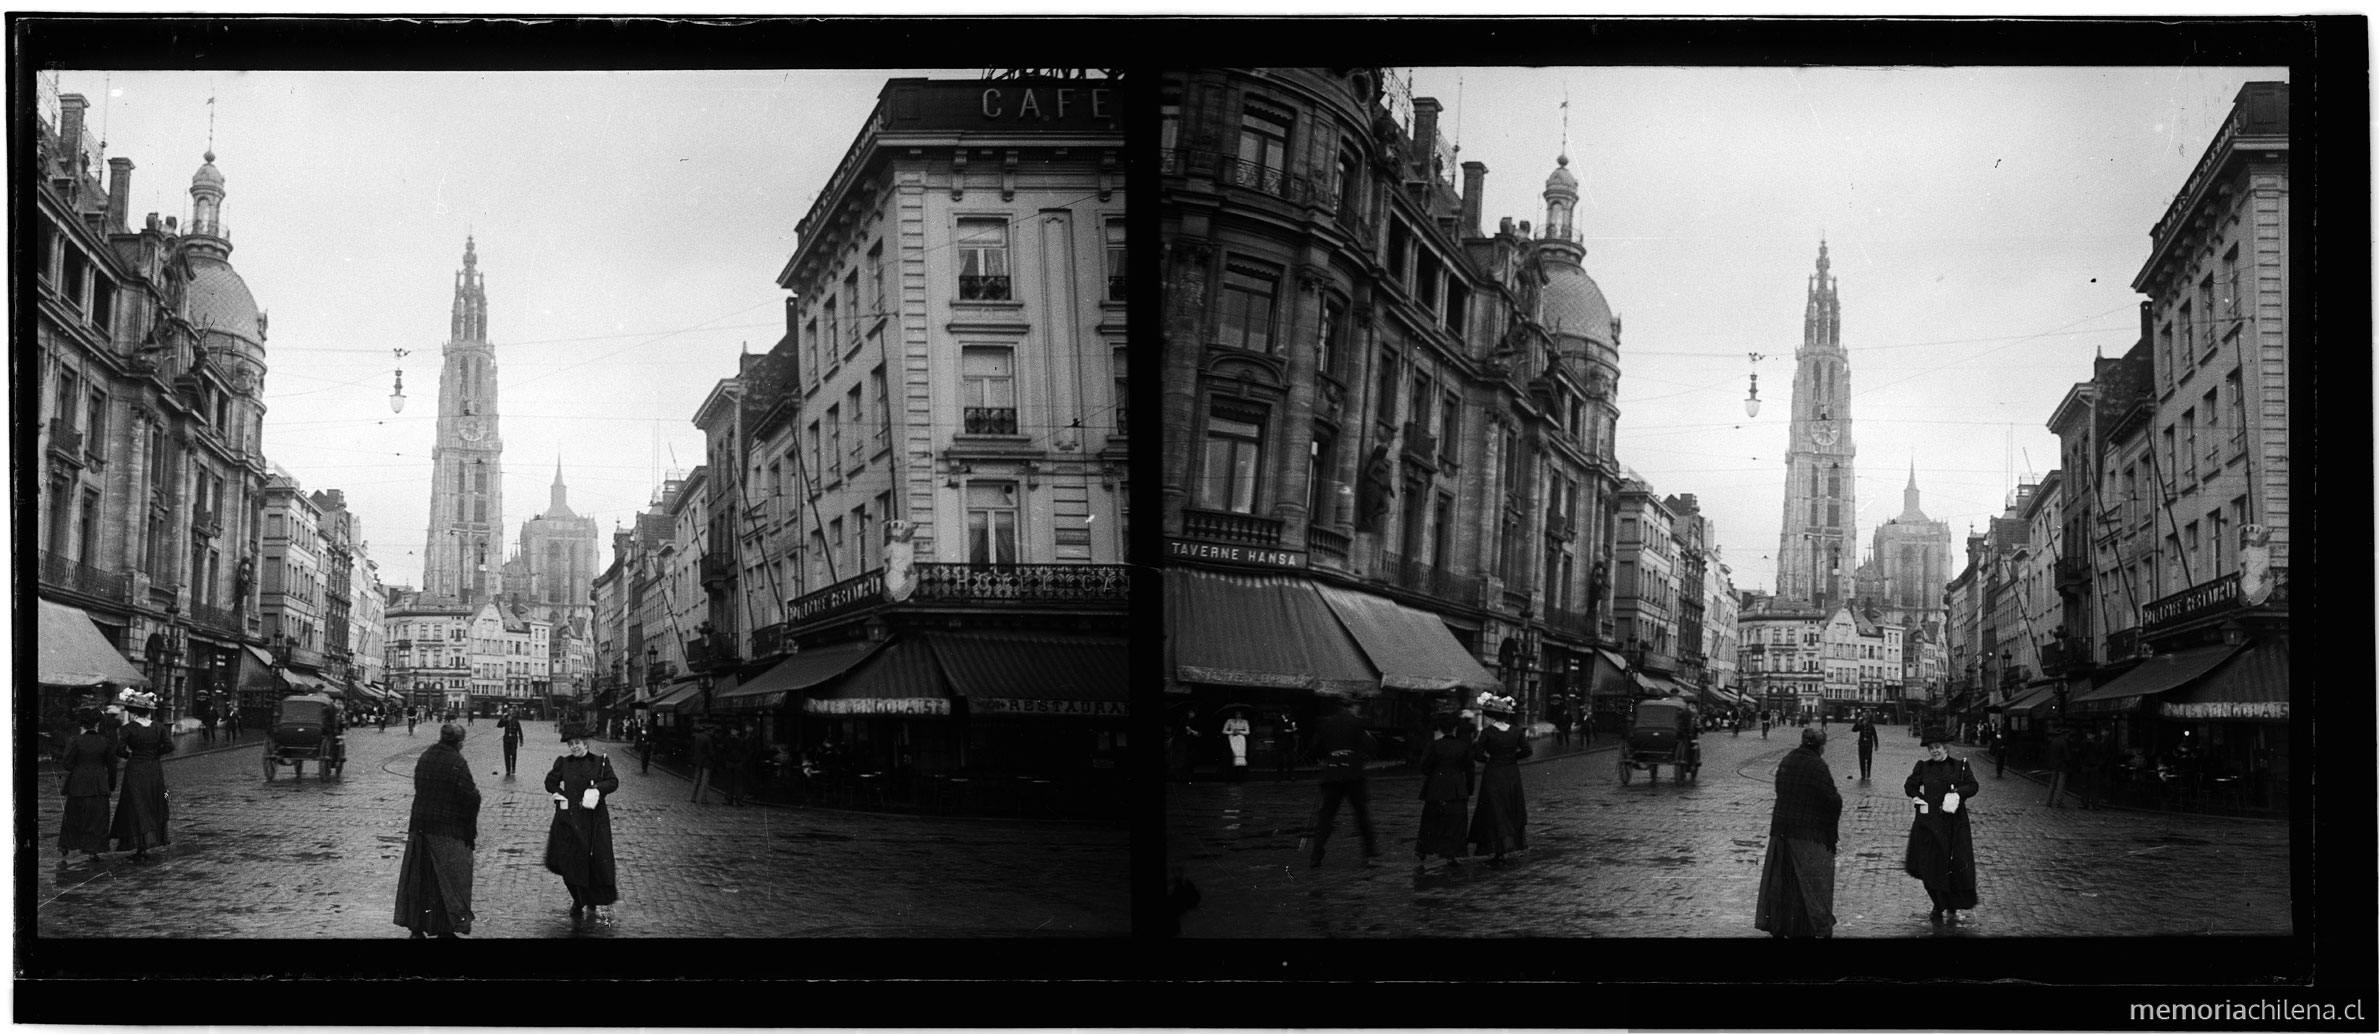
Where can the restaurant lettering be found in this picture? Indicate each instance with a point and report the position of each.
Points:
(1076, 708)
(932, 706)
(847, 595)
(2220, 594)
(1036, 103)
(1182, 549)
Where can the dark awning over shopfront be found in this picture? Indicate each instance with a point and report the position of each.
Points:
(300, 682)
(1412, 650)
(796, 674)
(2253, 686)
(1231, 629)
(1028, 673)
(2026, 701)
(902, 680)
(73, 653)
(1658, 685)
(674, 695)
(2155, 676)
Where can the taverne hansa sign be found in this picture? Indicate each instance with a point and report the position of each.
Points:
(1223, 553)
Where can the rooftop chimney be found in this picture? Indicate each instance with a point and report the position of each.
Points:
(119, 193)
(1474, 181)
(70, 131)
(1424, 155)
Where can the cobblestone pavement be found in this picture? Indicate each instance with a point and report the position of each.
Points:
(292, 858)
(1683, 860)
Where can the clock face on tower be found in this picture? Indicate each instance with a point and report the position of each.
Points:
(469, 428)
(1824, 435)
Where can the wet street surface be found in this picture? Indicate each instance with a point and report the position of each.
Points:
(1667, 859)
(291, 859)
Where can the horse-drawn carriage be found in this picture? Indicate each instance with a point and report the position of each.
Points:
(305, 728)
(1663, 733)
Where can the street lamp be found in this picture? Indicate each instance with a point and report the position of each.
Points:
(396, 399)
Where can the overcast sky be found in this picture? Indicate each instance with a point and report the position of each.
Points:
(630, 227)
(1985, 225)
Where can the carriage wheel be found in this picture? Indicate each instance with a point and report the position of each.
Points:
(271, 769)
(1627, 772)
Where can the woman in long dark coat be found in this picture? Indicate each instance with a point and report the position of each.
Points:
(90, 777)
(1500, 822)
(578, 844)
(1941, 841)
(434, 882)
(140, 813)
(1446, 776)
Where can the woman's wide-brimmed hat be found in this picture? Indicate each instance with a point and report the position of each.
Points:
(573, 731)
(135, 700)
(1500, 707)
(1933, 734)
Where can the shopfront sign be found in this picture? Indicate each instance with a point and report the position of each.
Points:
(2214, 597)
(1067, 708)
(850, 594)
(919, 706)
(1224, 553)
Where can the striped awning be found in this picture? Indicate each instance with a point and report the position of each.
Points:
(1259, 630)
(1032, 673)
(73, 653)
(801, 672)
(2153, 677)
(2251, 686)
(901, 680)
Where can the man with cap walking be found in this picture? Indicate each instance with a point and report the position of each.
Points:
(1340, 744)
(510, 724)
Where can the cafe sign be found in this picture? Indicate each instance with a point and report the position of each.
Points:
(835, 600)
(1225, 553)
(2217, 596)
(1068, 708)
(913, 706)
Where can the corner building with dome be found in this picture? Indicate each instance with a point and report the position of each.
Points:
(148, 372)
(1387, 471)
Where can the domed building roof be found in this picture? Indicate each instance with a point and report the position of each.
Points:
(207, 175)
(219, 300)
(1573, 305)
(1562, 178)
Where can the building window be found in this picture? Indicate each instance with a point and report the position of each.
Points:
(859, 538)
(1263, 150)
(834, 442)
(858, 438)
(2187, 357)
(1450, 431)
(883, 411)
(991, 523)
(1234, 454)
(1346, 190)
(1327, 343)
(988, 391)
(875, 276)
(1383, 393)
(1248, 302)
(1116, 259)
(1321, 462)
(983, 260)
(2230, 283)
(1123, 396)
(817, 457)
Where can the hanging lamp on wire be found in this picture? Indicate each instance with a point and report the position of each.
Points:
(1751, 403)
(396, 399)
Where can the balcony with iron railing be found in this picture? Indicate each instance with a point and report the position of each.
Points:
(984, 289)
(1244, 529)
(990, 420)
(207, 615)
(75, 576)
(768, 640)
(2072, 572)
(205, 525)
(716, 568)
(1023, 583)
(66, 443)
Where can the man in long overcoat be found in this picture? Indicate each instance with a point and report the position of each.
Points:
(1868, 741)
(510, 724)
(578, 844)
(434, 881)
(1796, 887)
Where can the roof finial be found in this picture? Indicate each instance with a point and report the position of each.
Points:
(1565, 123)
(210, 122)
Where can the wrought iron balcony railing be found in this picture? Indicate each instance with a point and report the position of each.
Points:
(211, 616)
(68, 573)
(1024, 583)
(990, 419)
(983, 289)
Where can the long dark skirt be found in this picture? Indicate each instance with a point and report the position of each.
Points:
(1500, 823)
(578, 849)
(1796, 889)
(434, 885)
(85, 827)
(141, 812)
(1444, 827)
(1941, 854)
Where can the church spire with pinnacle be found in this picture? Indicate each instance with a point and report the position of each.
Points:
(470, 296)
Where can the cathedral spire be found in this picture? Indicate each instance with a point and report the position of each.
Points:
(470, 296)
(1909, 512)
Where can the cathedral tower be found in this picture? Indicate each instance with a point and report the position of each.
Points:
(464, 559)
(553, 574)
(1817, 547)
